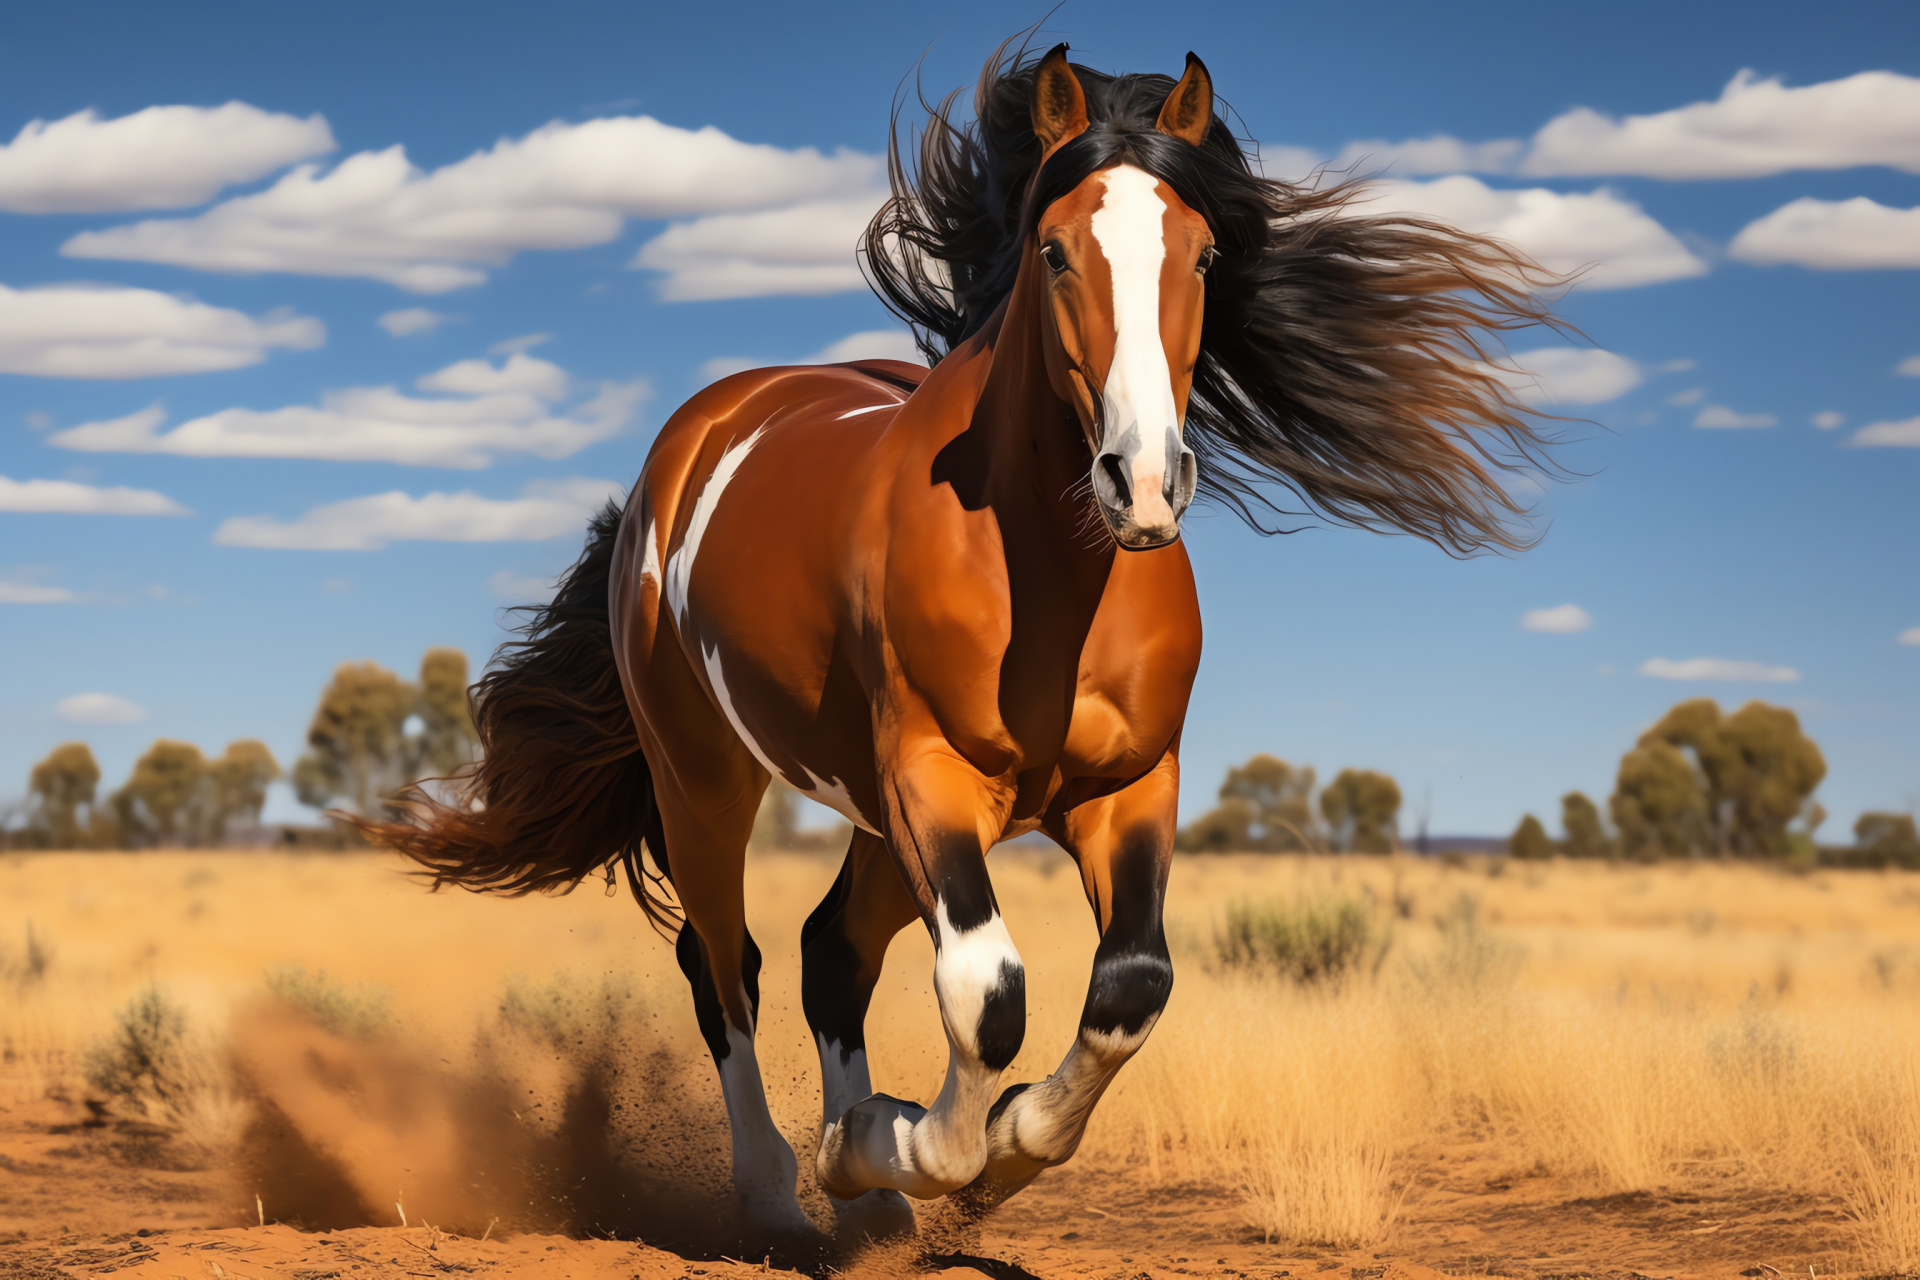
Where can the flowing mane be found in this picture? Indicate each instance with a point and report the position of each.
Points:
(1344, 356)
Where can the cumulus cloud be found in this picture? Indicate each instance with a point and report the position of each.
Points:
(99, 708)
(1756, 127)
(1570, 375)
(1832, 235)
(1908, 368)
(1437, 154)
(67, 497)
(105, 331)
(1715, 416)
(411, 320)
(1563, 619)
(488, 410)
(1827, 419)
(1718, 669)
(34, 593)
(1612, 238)
(563, 186)
(1904, 434)
(159, 158)
(1910, 636)
(805, 249)
(546, 509)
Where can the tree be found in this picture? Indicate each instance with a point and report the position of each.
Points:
(1529, 840)
(237, 786)
(158, 800)
(1659, 806)
(447, 738)
(59, 786)
(1225, 828)
(1360, 807)
(1888, 838)
(1265, 805)
(1580, 820)
(356, 742)
(1754, 773)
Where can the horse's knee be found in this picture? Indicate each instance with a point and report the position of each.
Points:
(982, 988)
(1129, 989)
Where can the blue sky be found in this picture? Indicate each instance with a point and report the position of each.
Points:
(667, 191)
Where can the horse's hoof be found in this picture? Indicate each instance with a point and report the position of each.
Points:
(875, 1217)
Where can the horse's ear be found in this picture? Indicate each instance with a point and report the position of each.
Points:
(1059, 105)
(1189, 109)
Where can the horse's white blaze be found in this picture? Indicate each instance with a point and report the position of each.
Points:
(680, 563)
(833, 793)
(1138, 397)
(966, 969)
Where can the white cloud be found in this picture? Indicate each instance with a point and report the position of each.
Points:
(563, 186)
(67, 497)
(1827, 419)
(1564, 619)
(1905, 434)
(98, 708)
(1910, 636)
(1692, 395)
(1621, 245)
(411, 320)
(34, 593)
(805, 249)
(491, 410)
(1832, 235)
(547, 509)
(1570, 375)
(1718, 669)
(105, 331)
(1719, 416)
(519, 587)
(1437, 154)
(1755, 127)
(159, 158)
(1908, 368)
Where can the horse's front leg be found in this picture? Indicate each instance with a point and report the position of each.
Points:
(942, 816)
(1123, 844)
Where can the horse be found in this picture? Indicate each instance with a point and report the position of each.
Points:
(953, 603)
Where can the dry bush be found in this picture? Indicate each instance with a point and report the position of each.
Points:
(1307, 941)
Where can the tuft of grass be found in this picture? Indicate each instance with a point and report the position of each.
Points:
(32, 965)
(361, 1012)
(1309, 941)
(143, 1066)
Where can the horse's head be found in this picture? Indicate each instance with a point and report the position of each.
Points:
(1123, 262)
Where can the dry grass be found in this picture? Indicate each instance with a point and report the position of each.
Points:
(1629, 1027)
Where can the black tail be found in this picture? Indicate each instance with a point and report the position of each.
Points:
(561, 790)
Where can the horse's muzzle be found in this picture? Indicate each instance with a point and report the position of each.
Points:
(1143, 494)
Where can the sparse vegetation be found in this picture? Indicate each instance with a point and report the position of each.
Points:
(1310, 942)
(360, 1012)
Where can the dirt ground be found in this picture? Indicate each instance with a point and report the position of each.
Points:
(84, 1197)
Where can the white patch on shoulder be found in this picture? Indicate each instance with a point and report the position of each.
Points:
(966, 969)
(680, 563)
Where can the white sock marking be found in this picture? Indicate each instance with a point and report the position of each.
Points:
(966, 969)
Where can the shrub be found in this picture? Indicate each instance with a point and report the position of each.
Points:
(1310, 941)
(356, 1013)
(144, 1065)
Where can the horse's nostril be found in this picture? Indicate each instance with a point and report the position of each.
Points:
(1116, 473)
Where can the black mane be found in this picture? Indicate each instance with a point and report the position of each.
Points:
(1344, 356)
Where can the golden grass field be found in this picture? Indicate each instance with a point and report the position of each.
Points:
(1719, 1034)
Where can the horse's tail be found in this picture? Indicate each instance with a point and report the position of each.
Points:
(561, 790)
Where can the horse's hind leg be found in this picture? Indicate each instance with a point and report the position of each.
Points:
(1123, 844)
(842, 948)
(706, 849)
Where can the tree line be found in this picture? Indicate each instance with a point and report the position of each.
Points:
(372, 733)
(1703, 783)
(1268, 806)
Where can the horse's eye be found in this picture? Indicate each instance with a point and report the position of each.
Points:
(1056, 261)
(1207, 255)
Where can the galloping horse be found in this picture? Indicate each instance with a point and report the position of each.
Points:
(953, 603)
